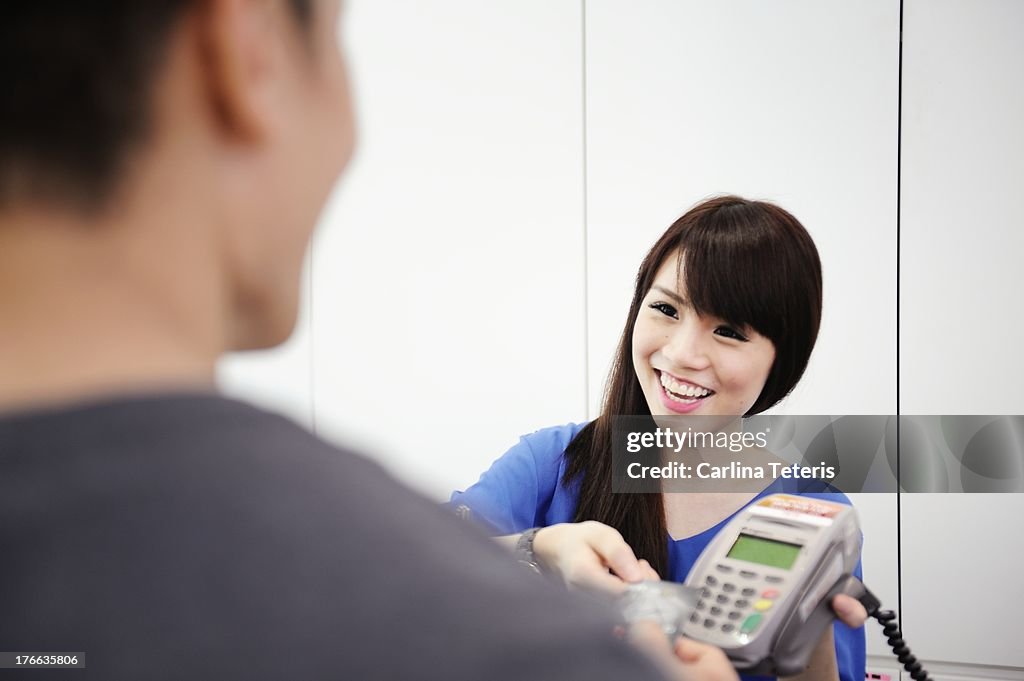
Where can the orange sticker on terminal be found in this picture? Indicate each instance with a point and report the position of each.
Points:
(815, 507)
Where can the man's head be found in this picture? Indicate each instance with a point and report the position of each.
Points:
(211, 129)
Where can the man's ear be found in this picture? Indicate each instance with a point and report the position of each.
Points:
(241, 51)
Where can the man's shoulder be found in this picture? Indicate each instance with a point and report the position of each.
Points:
(174, 439)
(223, 518)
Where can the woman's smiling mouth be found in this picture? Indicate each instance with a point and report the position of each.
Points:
(680, 395)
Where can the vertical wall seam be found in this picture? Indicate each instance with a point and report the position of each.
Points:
(899, 175)
(586, 242)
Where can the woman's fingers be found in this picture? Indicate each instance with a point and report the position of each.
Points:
(615, 553)
(649, 572)
(849, 610)
(584, 553)
(596, 577)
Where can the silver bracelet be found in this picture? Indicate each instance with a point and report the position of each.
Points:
(524, 550)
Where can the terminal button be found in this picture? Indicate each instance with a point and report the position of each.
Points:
(770, 593)
(763, 604)
(751, 623)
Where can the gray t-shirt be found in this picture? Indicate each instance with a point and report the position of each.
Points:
(191, 536)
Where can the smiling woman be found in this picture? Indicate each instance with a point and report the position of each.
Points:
(687, 362)
(724, 316)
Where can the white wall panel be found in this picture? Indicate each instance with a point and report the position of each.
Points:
(794, 102)
(962, 233)
(963, 222)
(448, 318)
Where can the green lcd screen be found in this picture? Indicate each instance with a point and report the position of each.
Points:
(764, 551)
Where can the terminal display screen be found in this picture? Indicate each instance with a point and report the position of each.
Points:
(764, 551)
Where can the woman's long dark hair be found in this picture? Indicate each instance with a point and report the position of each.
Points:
(749, 263)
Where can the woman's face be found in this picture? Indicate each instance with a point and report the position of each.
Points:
(688, 364)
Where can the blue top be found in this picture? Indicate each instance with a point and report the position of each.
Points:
(524, 489)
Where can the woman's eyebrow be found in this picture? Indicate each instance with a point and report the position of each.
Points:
(683, 302)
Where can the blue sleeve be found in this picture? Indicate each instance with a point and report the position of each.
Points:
(512, 495)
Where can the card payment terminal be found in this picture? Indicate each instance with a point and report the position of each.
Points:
(767, 580)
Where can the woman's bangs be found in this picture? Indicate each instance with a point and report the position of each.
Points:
(728, 275)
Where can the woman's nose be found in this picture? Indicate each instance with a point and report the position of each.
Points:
(686, 347)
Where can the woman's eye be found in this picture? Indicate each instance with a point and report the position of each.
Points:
(665, 309)
(730, 332)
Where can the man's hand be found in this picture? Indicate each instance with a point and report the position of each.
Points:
(688, 660)
(685, 660)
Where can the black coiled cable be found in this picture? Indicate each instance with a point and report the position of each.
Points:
(887, 618)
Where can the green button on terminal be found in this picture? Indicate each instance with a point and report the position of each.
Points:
(751, 623)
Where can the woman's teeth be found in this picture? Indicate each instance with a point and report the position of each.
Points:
(682, 392)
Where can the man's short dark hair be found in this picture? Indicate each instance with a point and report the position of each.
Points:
(76, 76)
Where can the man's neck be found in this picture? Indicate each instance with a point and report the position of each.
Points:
(92, 309)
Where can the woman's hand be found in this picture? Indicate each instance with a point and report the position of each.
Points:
(584, 553)
(849, 610)
(823, 665)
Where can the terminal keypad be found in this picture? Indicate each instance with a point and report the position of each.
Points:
(736, 600)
